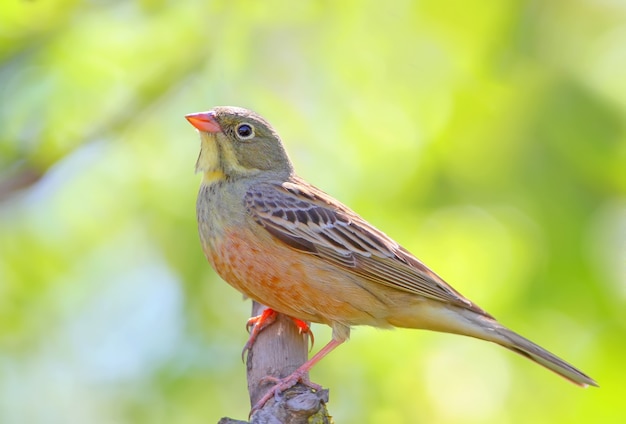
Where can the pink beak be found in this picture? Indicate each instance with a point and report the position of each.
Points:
(204, 121)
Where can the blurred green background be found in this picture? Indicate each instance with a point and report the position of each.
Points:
(489, 138)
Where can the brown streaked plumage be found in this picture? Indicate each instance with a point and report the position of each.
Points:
(295, 249)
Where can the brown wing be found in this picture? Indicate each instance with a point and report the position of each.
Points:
(307, 219)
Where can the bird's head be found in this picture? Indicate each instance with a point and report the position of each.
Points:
(236, 143)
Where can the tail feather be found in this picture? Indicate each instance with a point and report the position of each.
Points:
(473, 323)
(487, 328)
(536, 353)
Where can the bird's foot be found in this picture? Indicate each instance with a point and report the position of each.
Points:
(282, 384)
(258, 324)
(299, 375)
(267, 317)
(304, 328)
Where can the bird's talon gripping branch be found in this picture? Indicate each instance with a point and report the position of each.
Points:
(304, 328)
(282, 384)
(258, 324)
(299, 375)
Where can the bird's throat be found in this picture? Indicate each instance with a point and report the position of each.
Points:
(212, 177)
(218, 160)
(209, 160)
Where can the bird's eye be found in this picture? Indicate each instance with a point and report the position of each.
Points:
(245, 131)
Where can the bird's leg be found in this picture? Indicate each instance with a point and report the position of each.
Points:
(267, 318)
(300, 375)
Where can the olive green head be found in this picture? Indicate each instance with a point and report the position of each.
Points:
(235, 143)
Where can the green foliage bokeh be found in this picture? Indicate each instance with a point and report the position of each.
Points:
(489, 138)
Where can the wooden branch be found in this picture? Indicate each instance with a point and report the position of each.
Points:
(278, 351)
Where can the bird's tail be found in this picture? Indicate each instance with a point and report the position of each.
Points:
(489, 329)
(477, 323)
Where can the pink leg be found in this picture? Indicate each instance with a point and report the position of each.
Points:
(299, 375)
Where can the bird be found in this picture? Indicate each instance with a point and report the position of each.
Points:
(295, 249)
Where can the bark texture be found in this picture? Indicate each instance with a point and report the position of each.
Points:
(278, 351)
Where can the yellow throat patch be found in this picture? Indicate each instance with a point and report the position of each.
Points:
(209, 160)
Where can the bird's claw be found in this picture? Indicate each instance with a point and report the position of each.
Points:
(304, 328)
(282, 384)
(258, 323)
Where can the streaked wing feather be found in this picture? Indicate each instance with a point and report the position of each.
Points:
(307, 219)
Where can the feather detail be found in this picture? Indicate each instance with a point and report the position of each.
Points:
(307, 219)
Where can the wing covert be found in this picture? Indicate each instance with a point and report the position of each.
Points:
(305, 218)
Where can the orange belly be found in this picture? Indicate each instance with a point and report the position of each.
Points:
(294, 283)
